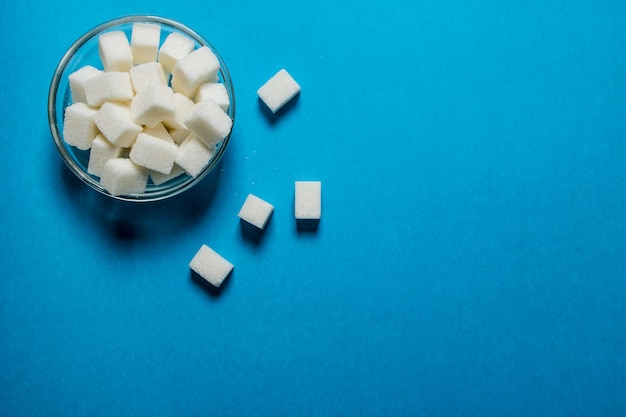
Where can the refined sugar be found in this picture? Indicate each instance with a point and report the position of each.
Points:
(308, 200)
(159, 178)
(193, 155)
(78, 79)
(79, 128)
(210, 266)
(255, 211)
(278, 90)
(101, 151)
(214, 91)
(209, 122)
(144, 42)
(108, 86)
(179, 135)
(158, 131)
(182, 106)
(199, 67)
(115, 123)
(122, 176)
(152, 104)
(143, 75)
(154, 153)
(175, 47)
(114, 51)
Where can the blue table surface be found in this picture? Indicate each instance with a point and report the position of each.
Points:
(470, 260)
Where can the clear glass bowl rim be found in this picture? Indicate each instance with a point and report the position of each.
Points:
(62, 147)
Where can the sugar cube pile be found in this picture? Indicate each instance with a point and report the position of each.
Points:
(151, 112)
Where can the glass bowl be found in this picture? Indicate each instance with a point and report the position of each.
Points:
(85, 52)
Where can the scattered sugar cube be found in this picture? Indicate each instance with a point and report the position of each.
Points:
(108, 86)
(159, 178)
(115, 123)
(101, 151)
(308, 200)
(154, 153)
(255, 211)
(152, 104)
(211, 266)
(209, 122)
(278, 90)
(122, 176)
(114, 51)
(79, 127)
(179, 135)
(143, 75)
(78, 79)
(216, 92)
(144, 42)
(193, 155)
(175, 47)
(182, 105)
(199, 67)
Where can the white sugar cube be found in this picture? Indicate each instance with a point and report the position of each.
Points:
(79, 127)
(175, 47)
(154, 153)
(114, 51)
(210, 266)
(193, 155)
(199, 67)
(209, 122)
(158, 131)
(108, 86)
(255, 211)
(115, 123)
(122, 176)
(278, 90)
(101, 151)
(182, 105)
(179, 135)
(308, 200)
(152, 104)
(78, 79)
(145, 74)
(159, 178)
(214, 91)
(144, 42)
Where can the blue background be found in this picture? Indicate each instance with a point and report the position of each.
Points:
(471, 258)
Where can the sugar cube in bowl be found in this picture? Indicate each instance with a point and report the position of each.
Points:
(127, 83)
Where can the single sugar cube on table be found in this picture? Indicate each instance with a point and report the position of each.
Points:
(214, 91)
(308, 200)
(79, 126)
(108, 86)
(193, 156)
(210, 266)
(143, 75)
(197, 68)
(121, 176)
(77, 81)
(209, 122)
(115, 123)
(114, 51)
(154, 153)
(144, 42)
(101, 151)
(152, 105)
(175, 47)
(255, 211)
(278, 90)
